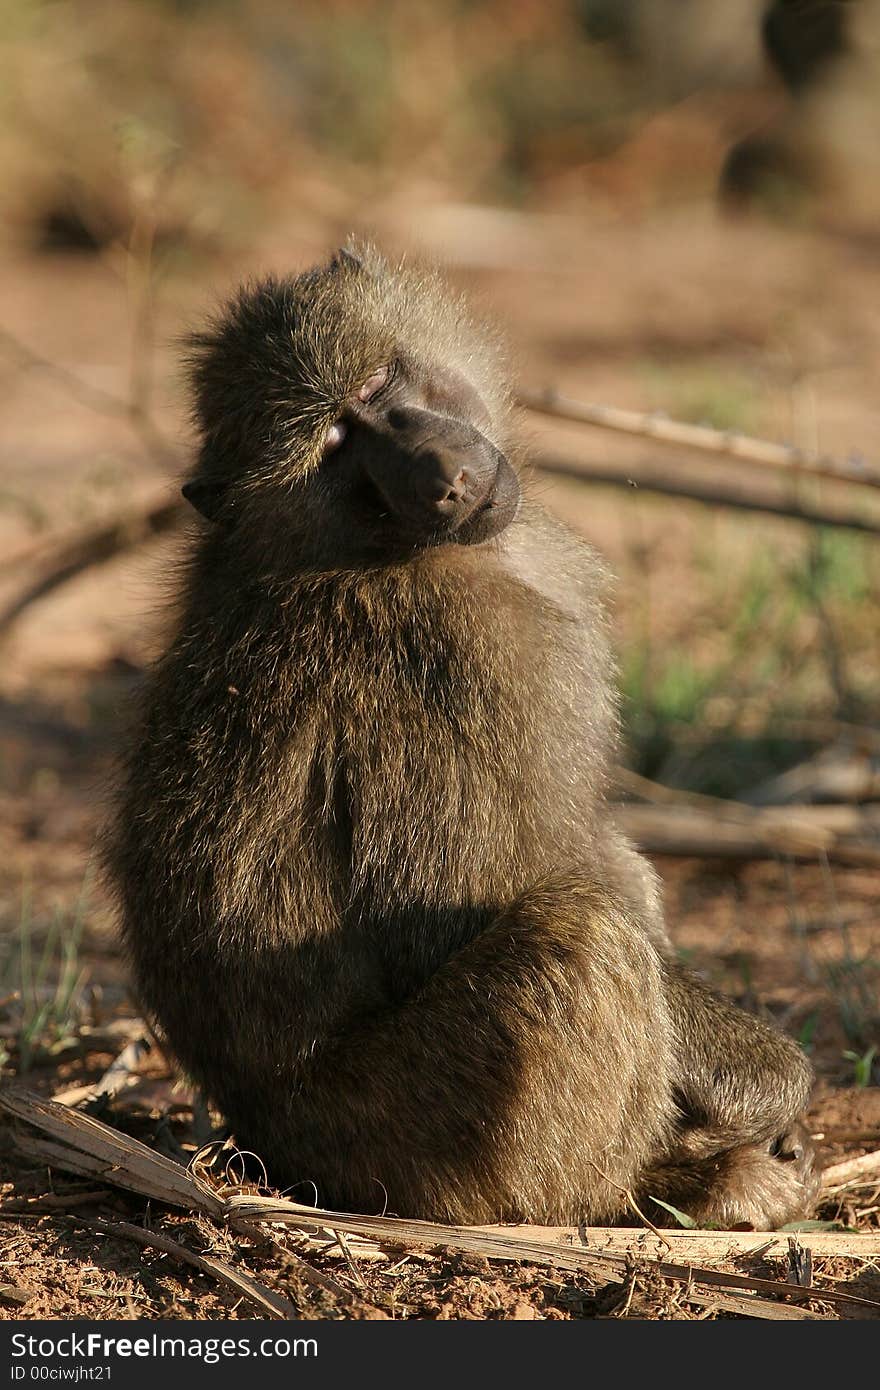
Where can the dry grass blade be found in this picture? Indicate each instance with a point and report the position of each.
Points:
(264, 1298)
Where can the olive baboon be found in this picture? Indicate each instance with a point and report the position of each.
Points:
(369, 885)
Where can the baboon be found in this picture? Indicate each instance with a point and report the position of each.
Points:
(369, 883)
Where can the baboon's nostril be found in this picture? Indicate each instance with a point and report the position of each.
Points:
(449, 489)
(456, 489)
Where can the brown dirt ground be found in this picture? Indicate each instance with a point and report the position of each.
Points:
(588, 303)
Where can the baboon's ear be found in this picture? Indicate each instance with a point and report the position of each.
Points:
(207, 498)
(344, 259)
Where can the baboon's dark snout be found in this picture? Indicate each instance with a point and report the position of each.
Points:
(449, 484)
(435, 473)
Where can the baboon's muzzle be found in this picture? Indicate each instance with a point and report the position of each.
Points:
(441, 479)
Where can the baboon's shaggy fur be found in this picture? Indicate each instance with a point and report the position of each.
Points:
(369, 883)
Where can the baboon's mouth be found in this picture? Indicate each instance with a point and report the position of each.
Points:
(494, 512)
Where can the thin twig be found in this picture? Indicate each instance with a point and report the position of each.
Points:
(704, 438)
(93, 397)
(632, 1203)
(95, 547)
(733, 491)
(316, 1277)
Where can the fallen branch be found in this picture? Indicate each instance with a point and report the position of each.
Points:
(736, 492)
(751, 1306)
(135, 411)
(78, 1143)
(100, 544)
(703, 438)
(244, 1284)
(52, 1201)
(832, 775)
(530, 1243)
(94, 546)
(839, 1174)
(845, 834)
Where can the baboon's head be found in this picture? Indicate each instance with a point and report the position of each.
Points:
(352, 412)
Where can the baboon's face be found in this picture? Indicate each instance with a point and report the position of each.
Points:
(351, 414)
(408, 460)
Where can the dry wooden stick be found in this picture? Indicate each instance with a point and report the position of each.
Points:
(103, 543)
(52, 1201)
(235, 1279)
(497, 1243)
(831, 775)
(704, 438)
(837, 1174)
(134, 411)
(738, 493)
(846, 834)
(752, 1306)
(95, 547)
(81, 1144)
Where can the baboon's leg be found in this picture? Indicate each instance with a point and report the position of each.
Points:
(533, 1067)
(740, 1152)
